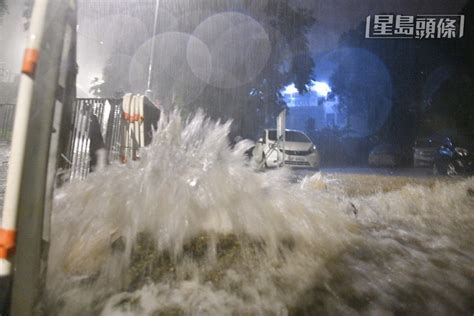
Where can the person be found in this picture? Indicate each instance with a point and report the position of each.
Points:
(96, 142)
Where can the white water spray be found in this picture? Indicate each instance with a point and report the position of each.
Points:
(191, 228)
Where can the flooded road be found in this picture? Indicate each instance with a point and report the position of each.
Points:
(362, 181)
(192, 229)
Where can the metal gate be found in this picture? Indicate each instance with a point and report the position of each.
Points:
(110, 116)
(108, 113)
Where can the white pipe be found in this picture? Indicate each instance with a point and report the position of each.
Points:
(127, 99)
(136, 126)
(130, 128)
(152, 52)
(20, 128)
(141, 111)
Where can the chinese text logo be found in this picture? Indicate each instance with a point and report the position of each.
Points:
(418, 27)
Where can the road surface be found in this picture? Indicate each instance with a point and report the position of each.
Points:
(365, 181)
(353, 180)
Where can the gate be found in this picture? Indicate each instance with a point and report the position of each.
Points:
(107, 112)
(109, 115)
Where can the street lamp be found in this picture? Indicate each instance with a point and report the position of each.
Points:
(148, 92)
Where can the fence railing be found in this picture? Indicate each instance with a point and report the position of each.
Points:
(94, 120)
(7, 112)
(100, 123)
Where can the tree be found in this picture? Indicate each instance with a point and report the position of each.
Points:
(249, 97)
(418, 92)
(363, 87)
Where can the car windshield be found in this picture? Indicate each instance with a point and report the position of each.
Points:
(290, 136)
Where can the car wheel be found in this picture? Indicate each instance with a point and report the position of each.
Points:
(451, 169)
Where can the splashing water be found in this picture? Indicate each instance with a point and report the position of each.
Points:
(191, 228)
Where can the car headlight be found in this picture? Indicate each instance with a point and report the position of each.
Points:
(461, 151)
(312, 149)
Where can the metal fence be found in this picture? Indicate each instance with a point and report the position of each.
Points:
(6, 120)
(108, 113)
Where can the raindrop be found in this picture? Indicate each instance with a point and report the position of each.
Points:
(181, 63)
(239, 48)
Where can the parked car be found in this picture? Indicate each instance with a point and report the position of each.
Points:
(299, 150)
(455, 156)
(385, 155)
(424, 152)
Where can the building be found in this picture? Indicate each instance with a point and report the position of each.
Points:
(318, 104)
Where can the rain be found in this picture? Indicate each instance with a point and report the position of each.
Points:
(272, 157)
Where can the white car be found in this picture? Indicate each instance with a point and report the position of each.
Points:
(299, 150)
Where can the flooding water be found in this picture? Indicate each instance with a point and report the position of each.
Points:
(192, 229)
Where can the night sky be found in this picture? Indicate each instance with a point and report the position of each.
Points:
(337, 16)
(333, 18)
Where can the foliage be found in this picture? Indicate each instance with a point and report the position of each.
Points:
(251, 104)
(452, 106)
(418, 96)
